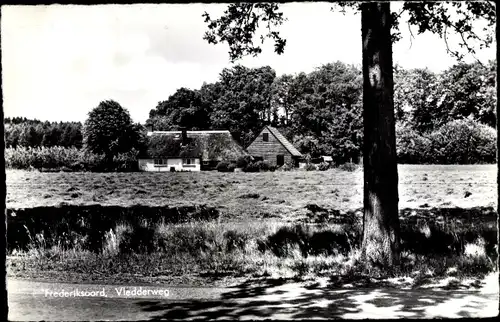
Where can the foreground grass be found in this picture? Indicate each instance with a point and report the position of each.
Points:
(255, 249)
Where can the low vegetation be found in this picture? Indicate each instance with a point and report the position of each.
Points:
(160, 226)
(456, 142)
(441, 242)
(67, 159)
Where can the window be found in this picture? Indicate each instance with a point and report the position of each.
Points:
(190, 163)
(265, 137)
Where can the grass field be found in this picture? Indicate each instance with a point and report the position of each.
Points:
(448, 221)
(254, 195)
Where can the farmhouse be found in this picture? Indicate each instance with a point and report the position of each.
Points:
(188, 150)
(272, 146)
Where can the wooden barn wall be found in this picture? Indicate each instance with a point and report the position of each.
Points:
(268, 150)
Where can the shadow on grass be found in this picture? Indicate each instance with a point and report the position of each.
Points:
(423, 231)
(277, 298)
(72, 225)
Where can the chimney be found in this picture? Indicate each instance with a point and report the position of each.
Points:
(184, 136)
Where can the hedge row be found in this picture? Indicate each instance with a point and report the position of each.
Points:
(66, 159)
(245, 165)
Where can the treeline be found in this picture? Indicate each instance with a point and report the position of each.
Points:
(22, 132)
(445, 118)
(321, 112)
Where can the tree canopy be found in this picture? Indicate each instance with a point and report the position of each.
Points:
(109, 130)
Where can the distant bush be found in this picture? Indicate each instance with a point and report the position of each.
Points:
(456, 142)
(412, 148)
(251, 167)
(310, 167)
(223, 166)
(126, 162)
(463, 142)
(243, 161)
(286, 167)
(263, 165)
(231, 167)
(67, 159)
(323, 166)
(348, 167)
(259, 166)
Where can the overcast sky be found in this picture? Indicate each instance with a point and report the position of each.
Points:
(59, 62)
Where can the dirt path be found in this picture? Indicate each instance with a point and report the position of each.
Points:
(265, 299)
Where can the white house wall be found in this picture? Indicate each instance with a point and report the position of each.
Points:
(148, 165)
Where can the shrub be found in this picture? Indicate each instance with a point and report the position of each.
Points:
(235, 240)
(413, 148)
(286, 167)
(126, 161)
(348, 167)
(67, 159)
(456, 142)
(231, 167)
(223, 166)
(243, 161)
(251, 167)
(310, 167)
(263, 165)
(323, 166)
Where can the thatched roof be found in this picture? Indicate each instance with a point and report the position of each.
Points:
(208, 145)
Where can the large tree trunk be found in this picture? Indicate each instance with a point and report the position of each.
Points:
(3, 234)
(380, 245)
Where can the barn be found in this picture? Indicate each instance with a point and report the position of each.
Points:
(188, 150)
(272, 146)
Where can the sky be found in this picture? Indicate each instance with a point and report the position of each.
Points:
(60, 61)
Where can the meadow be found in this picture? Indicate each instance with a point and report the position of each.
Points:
(102, 226)
(253, 195)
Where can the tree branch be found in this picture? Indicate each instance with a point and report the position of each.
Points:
(411, 34)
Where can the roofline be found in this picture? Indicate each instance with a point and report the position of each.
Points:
(149, 133)
(170, 157)
(268, 126)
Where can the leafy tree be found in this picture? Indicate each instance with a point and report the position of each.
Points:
(109, 130)
(379, 28)
(185, 108)
(324, 111)
(426, 101)
(281, 99)
(470, 90)
(29, 137)
(417, 99)
(244, 101)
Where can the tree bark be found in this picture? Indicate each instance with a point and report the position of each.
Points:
(3, 235)
(380, 245)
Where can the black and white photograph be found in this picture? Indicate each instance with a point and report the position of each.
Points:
(250, 161)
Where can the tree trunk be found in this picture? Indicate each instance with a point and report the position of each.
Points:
(3, 235)
(380, 245)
